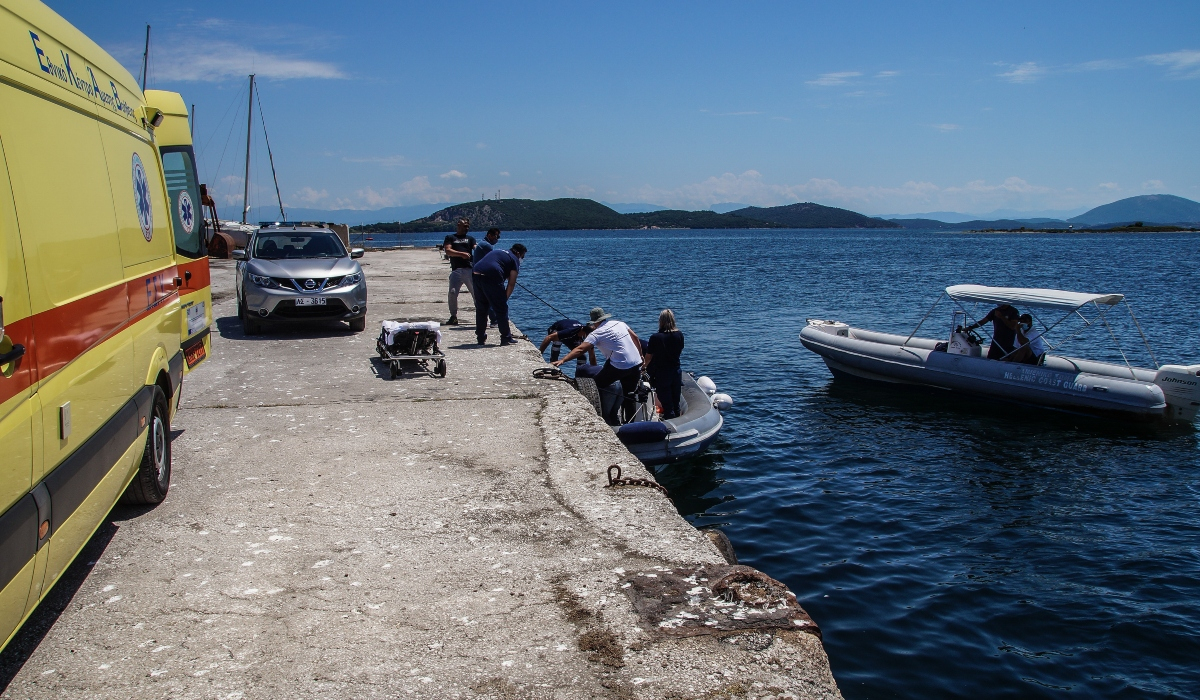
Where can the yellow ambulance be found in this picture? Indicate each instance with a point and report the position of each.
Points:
(95, 254)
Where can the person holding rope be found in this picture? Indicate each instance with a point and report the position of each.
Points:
(496, 268)
(623, 350)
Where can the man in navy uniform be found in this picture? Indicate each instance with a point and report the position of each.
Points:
(491, 273)
(569, 332)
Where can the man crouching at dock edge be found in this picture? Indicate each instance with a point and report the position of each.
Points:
(623, 349)
(490, 274)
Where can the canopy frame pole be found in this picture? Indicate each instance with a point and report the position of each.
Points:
(1088, 324)
(1132, 374)
(914, 332)
(1141, 333)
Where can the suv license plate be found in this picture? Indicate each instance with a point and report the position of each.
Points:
(311, 301)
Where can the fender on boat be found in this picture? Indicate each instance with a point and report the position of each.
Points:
(642, 432)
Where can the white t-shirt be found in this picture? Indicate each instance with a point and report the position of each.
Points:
(1036, 344)
(612, 338)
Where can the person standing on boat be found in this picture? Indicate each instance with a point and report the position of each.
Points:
(1005, 320)
(458, 249)
(662, 363)
(496, 268)
(623, 351)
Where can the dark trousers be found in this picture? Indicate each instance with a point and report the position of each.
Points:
(490, 296)
(629, 381)
(669, 386)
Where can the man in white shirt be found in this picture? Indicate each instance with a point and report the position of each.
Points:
(623, 357)
(1033, 339)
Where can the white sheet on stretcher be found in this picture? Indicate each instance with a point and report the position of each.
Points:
(391, 328)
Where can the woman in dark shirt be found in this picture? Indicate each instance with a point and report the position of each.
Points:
(662, 363)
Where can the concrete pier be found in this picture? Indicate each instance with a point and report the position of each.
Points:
(333, 534)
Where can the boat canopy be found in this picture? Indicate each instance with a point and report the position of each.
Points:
(1040, 298)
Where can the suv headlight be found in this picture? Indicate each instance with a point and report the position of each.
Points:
(351, 280)
(262, 281)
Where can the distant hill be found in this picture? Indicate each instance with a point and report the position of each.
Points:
(978, 224)
(1156, 208)
(633, 207)
(809, 215)
(564, 215)
(353, 217)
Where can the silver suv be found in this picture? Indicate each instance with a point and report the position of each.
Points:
(296, 273)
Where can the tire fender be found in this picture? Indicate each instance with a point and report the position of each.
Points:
(159, 365)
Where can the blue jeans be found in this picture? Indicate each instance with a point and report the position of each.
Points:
(490, 296)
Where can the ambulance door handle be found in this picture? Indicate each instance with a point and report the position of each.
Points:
(187, 274)
(178, 281)
(17, 352)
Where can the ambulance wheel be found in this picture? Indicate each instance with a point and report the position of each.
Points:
(153, 478)
(440, 368)
(358, 325)
(587, 387)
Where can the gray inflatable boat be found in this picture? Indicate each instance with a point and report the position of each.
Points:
(654, 440)
(1168, 392)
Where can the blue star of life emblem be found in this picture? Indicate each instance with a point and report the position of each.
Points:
(187, 213)
(141, 197)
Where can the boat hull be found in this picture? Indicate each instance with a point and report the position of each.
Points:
(1063, 383)
(690, 434)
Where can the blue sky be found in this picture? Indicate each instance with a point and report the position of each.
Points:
(880, 107)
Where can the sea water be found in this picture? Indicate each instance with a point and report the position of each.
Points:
(947, 546)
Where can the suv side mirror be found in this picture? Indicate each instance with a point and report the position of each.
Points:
(239, 254)
(357, 252)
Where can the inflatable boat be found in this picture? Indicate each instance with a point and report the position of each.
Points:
(1167, 392)
(655, 440)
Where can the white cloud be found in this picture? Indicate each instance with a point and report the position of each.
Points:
(503, 173)
(385, 161)
(1109, 186)
(217, 61)
(887, 74)
(945, 128)
(481, 145)
(1182, 64)
(826, 79)
(308, 195)
(416, 190)
(452, 174)
(1023, 73)
(1152, 185)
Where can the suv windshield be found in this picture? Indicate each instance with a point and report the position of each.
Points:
(290, 245)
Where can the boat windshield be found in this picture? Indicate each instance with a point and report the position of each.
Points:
(289, 245)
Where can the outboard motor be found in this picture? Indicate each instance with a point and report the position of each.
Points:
(1181, 387)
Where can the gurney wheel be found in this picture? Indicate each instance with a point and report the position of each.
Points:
(394, 371)
(440, 368)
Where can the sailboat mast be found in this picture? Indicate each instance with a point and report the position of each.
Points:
(249, 123)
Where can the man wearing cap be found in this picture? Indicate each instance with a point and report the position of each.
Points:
(458, 249)
(623, 350)
(491, 273)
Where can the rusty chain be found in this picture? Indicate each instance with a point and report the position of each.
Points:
(630, 481)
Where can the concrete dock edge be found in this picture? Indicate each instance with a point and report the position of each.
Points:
(331, 533)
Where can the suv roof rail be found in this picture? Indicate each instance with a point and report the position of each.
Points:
(292, 224)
